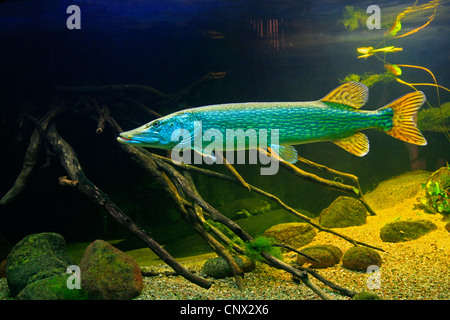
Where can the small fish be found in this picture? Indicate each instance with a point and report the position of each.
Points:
(336, 118)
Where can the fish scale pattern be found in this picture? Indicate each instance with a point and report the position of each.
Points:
(297, 122)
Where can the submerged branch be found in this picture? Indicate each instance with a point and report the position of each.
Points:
(31, 156)
(352, 177)
(71, 164)
(268, 195)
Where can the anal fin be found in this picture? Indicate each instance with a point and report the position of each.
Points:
(357, 144)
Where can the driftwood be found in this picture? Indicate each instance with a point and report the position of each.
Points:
(71, 164)
(31, 156)
(176, 181)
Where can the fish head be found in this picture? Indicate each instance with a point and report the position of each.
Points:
(156, 133)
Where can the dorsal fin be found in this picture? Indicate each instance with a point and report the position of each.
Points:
(352, 94)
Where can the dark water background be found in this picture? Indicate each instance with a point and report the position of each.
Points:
(269, 50)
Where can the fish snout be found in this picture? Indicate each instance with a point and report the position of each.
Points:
(135, 138)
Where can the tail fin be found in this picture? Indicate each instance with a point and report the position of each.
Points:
(403, 125)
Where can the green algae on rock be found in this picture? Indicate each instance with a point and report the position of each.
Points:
(360, 258)
(218, 267)
(109, 274)
(35, 257)
(327, 255)
(52, 288)
(294, 234)
(398, 231)
(343, 212)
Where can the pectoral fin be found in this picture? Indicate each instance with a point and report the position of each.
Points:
(285, 153)
(357, 144)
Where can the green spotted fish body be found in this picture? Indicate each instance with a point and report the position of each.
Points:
(336, 117)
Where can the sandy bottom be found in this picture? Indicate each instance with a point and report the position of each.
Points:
(417, 269)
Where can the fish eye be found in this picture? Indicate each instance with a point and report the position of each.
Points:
(156, 124)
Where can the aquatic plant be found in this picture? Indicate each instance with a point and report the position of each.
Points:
(434, 119)
(437, 192)
(369, 78)
(353, 18)
(255, 247)
(395, 69)
(397, 25)
(438, 197)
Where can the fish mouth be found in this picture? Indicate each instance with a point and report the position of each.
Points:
(136, 140)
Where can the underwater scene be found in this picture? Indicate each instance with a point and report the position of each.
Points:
(225, 150)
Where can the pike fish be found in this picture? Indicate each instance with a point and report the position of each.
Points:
(336, 117)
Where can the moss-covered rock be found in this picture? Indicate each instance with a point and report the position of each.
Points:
(366, 296)
(327, 255)
(36, 257)
(218, 267)
(109, 274)
(398, 231)
(360, 258)
(343, 212)
(52, 288)
(244, 208)
(294, 234)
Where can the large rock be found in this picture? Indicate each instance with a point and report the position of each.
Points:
(109, 274)
(36, 257)
(398, 231)
(360, 258)
(294, 234)
(343, 212)
(52, 288)
(327, 255)
(218, 267)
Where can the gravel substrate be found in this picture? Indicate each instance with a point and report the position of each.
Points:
(411, 270)
(262, 284)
